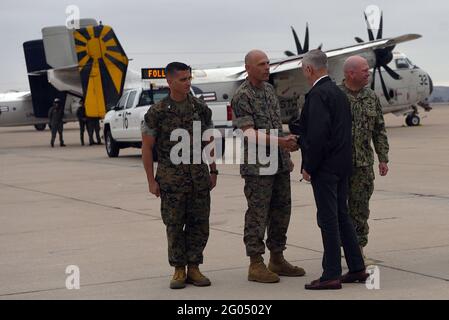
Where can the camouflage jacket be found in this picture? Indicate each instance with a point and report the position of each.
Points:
(259, 108)
(55, 115)
(367, 125)
(160, 121)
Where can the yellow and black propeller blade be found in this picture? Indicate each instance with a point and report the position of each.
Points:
(102, 65)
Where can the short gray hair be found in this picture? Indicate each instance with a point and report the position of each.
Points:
(316, 58)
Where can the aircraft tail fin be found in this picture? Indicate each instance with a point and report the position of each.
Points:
(101, 60)
(42, 92)
(102, 66)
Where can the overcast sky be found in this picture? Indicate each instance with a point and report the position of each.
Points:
(198, 32)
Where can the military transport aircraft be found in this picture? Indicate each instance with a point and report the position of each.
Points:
(400, 85)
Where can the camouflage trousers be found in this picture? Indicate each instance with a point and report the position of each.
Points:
(269, 208)
(57, 129)
(361, 187)
(186, 217)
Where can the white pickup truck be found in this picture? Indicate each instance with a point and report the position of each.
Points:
(122, 124)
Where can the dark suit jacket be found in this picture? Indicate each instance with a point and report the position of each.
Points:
(325, 130)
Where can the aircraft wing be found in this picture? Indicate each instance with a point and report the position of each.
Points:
(337, 56)
(66, 79)
(290, 83)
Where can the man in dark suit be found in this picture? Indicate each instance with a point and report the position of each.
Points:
(324, 130)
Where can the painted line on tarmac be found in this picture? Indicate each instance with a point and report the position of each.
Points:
(131, 280)
(414, 272)
(81, 200)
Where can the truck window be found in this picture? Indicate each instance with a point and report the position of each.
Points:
(149, 97)
(131, 97)
(122, 101)
(146, 99)
(160, 94)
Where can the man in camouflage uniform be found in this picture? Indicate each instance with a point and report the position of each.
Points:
(184, 188)
(56, 122)
(93, 125)
(81, 115)
(367, 125)
(256, 106)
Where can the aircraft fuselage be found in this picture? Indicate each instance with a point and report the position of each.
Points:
(16, 109)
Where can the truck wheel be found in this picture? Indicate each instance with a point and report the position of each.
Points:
(112, 148)
(40, 126)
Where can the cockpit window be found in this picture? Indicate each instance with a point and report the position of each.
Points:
(402, 63)
(412, 65)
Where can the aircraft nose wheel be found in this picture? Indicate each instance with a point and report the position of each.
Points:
(412, 120)
(40, 127)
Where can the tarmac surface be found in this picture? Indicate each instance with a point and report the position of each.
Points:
(75, 206)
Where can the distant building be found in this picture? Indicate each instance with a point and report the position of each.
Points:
(440, 94)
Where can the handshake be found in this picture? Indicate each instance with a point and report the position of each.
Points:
(289, 143)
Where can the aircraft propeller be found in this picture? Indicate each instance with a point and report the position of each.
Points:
(299, 48)
(383, 57)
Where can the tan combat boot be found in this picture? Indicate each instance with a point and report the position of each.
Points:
(195, 277)
(282, 267)
(258, 271)
(179, 278)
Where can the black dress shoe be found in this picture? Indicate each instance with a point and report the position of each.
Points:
(324, 285)
(359, 276)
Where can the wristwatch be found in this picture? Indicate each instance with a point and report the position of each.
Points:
(214, 172)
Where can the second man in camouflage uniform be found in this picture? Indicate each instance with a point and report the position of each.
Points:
(56, 122)
(256, 106)
(367, 125)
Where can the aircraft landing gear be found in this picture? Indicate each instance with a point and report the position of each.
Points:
(40, 127)
(412, 119)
